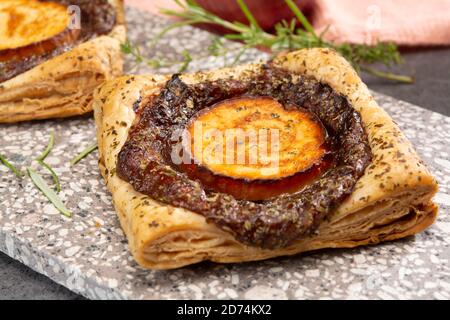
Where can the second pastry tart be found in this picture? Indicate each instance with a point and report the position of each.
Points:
(54, 53)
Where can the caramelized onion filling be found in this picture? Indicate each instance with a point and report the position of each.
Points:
(268, 211)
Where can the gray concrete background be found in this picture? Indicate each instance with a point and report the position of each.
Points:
(431, 91)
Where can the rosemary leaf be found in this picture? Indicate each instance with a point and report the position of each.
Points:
(49, 147)
(239, 55)
(388, 75)
(246, 11)
(178, 2)
(187, 60)
(49, 193)
(7, 164)
(301, 17)
(216, 48)
(126, 47)
(83, 154)
(54, 175)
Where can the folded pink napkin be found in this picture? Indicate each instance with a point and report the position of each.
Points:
(405, 22)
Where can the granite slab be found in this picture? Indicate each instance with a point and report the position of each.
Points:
(89, 255)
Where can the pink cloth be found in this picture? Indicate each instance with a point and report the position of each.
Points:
(152, 5)
(405, 22)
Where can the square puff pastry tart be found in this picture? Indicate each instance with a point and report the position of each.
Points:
(392, 200)
(62, 86)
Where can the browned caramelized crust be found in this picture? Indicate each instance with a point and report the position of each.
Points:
(145, 160)
(98, 17)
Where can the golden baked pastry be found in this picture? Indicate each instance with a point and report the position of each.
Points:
(375, 187)
(49, 65)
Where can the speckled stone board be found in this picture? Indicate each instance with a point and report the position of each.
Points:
(88, 253)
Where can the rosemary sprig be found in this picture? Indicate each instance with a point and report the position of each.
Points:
(7, 164)
(248, 14)
(186, 62)
(48, 192)
(37, 179)
(41, 160)
(388, 75)
(155, 63)
(301, 17)
(287, 37)
(50, 145)
(83, 154)
(53, 174)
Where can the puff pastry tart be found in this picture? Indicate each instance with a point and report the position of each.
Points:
(53, 53)
(339, 172)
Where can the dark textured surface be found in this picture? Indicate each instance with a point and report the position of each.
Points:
(20, 282)
(431, 91)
